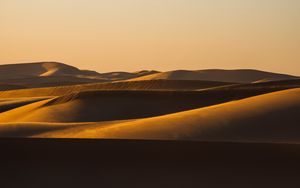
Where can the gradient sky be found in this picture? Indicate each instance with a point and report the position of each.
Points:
(130, 35)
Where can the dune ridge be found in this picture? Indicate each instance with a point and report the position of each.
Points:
(245, 106)
(258, 88)
(124, 85)
(236, 76)
(12, 103)
(102, 105)
(17, 71)
(271, 117)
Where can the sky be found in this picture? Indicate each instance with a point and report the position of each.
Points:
(131, 35)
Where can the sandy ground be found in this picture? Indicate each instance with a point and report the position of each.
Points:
(123, 163)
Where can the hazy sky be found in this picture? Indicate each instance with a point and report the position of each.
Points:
(111, 35)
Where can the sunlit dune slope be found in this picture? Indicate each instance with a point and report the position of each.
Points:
(31, 129)
(131, 85)
(237, 76)
(114, 76)
(98, 105)
(12, 103)
(271, 117)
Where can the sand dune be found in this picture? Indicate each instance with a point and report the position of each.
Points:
(91, 106)
(47, 74)
(12, 103)
(50, 81)
(131, 85)
(114, 76)
(252, 106)
(271, 117)
(55, 74)
(235, 89)
(27, 70)
(236, 76)
(44, 74)
(106, 105)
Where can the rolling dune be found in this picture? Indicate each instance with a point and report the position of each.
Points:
(221, 87)
(114, 76)
(236, 76)
(50, 81)
(9, 104)
(271, 117)
(131, 85)
(42, 74)
(252, 106)
(43, 69)
(93, 106)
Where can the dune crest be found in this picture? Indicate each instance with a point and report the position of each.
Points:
(271, 117)
(124, 85)
(236, 76)
(27, 70)
(101, 105)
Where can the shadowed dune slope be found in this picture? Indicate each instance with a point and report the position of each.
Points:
(93, 106)
(80, 163)
(132, 85)
(7, 86)
(49, 81)
(237, 76)
(271, 117)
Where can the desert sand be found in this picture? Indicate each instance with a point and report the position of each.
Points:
(136, 163)
(266, 118)
(181, 128)
(154, 109)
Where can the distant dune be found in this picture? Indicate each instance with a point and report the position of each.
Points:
(27, 70)
(213, 90)
(47, 74)
(52, 99)
(114, 76)
(44, 74)
(235, 76)
(51, 81)
(55, 73)
(130, 85)
(271, 117)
